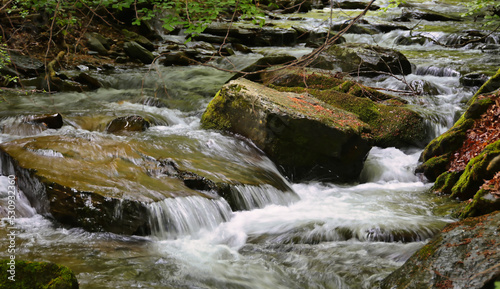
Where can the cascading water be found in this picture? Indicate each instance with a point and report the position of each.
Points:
(303, 235)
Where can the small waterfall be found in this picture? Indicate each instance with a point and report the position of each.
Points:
(390, 164)
(436, 71)
(175, 217)
(13, 202)
(245, 197)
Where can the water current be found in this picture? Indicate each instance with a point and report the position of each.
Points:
(319, 235)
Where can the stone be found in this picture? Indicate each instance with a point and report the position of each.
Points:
(392, 123)
(141, 40)
(54, 121)
(368, 60)
(306, 137)
(465, 254)
(26, 65)
(100, 182)
(136, 51)
(131, 123)
(30, 274)
(95, 44)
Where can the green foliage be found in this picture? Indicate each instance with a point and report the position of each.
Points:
(489, 8)
(393, 4)
(193, 15)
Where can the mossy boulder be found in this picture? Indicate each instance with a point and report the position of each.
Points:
(392, 122)
(368, 60)
(443, 146)
(306, 137)
(36, 275)
(465, 254)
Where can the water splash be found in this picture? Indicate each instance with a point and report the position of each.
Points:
(174, 217)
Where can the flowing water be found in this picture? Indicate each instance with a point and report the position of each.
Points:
(316, 235)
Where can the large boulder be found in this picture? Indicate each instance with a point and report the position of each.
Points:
(368, 60)
(465, 254)
(101, 182)
(306, 137)
(392, 122)
(17, 274)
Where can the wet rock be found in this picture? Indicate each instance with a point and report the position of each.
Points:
(131, 123)
(424, 14)
(177, 58)
(254, 35)
(352, 5)
(262, 64)
(95, 44)
(29, 274)
(473, 79)
(91, 82)
(136, 51)
(392, 123)
(139, 39)
(214, 38)
(356, 28)
(26, 65)
(54, 121)
(102, 183)
(306, 137)
(492, 84)
(410, 40)
(465, 254)
(368, 60)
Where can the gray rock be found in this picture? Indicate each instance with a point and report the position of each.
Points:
(136, 51)
(368, 60)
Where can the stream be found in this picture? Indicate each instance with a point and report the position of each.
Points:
(320, 235)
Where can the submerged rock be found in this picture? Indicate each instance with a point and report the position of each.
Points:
(306, 137)
(465, 254)
(128, 124)
(30, 274)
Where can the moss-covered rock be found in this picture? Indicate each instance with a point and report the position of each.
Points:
(306, 137)
(392, 123)
(17, 274)
(465, 254)
(444, 145)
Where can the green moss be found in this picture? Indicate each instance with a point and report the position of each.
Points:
(482, 204)
(445, 182)
(475, 173)
(390, 125)
(37, 275)
(212, 118)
